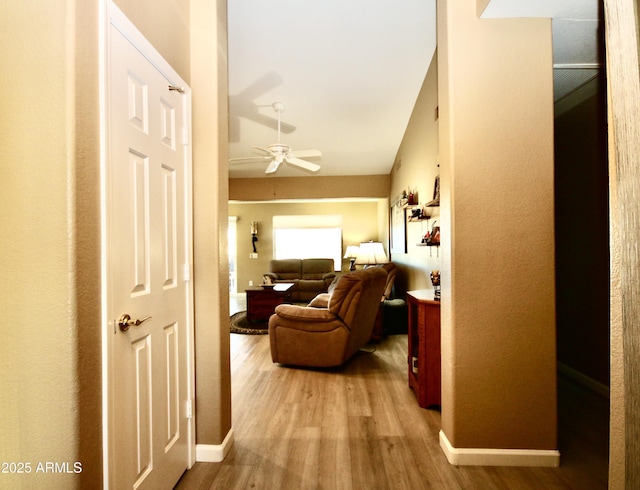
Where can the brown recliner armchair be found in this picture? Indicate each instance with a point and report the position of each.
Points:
(325, 337)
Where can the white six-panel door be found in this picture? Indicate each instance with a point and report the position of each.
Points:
(147, 190)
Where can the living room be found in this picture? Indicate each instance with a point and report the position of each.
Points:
(416, 165)
(365, 203)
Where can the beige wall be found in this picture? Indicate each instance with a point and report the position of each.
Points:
(270, 188)
(498, 301)
(50, 355)
(415, 168)
(210, 191)
(360, 223)
(364, 220)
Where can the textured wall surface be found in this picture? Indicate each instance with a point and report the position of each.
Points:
(498, 301)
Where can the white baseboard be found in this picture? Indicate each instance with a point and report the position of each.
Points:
(498, 457)
(214, 453)
(584, 380)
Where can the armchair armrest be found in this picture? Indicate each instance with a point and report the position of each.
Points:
(273, 275)
(304, 314)
(329, 276)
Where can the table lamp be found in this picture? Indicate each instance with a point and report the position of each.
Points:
(371, 253)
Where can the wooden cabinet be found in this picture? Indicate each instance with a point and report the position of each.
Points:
(262, 302)
(424, 346)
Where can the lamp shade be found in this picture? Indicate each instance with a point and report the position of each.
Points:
(371, 253)
(351, 252)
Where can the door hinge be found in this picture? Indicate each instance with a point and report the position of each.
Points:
(185, 136)
(189, 409)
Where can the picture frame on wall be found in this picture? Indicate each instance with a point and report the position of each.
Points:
(398, 231)
(436, 193)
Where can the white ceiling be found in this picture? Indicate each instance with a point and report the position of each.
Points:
(349, 73)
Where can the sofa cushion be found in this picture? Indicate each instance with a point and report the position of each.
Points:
(286, 269)
(314, 285)
(316, 268)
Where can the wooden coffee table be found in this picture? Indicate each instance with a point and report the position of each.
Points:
(262, 301)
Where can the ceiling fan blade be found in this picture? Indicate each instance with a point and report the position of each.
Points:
(273, 166)
(313, 167)
(248, 159)
(306, 153)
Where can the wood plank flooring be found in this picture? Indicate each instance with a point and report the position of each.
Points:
(360, 427)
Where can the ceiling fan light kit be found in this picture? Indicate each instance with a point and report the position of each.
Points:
(278, 152)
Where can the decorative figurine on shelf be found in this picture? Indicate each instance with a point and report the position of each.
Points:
(435, 280)
(432, 238)
(403, 200)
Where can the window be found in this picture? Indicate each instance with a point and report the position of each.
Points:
(308, 236)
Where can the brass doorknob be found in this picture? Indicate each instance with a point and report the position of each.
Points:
(125, 322)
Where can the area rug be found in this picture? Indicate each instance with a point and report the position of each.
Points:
(240, 324)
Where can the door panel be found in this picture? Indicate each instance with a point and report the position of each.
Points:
(170, 239)
(139, 165)
(148, 233)
(143, 430)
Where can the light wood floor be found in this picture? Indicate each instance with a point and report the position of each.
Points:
(359, 427)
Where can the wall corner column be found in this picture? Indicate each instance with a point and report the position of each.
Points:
(497, 219)
(210, 191)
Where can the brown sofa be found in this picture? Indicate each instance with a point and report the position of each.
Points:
(309, 276)
(325, 337)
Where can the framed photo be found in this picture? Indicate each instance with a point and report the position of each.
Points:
(398, 232)
(436, 193)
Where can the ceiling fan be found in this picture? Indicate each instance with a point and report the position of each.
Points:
(278, 153)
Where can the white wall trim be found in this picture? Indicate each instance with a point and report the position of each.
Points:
(214, 453)
(498, 457)
(584, 380)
